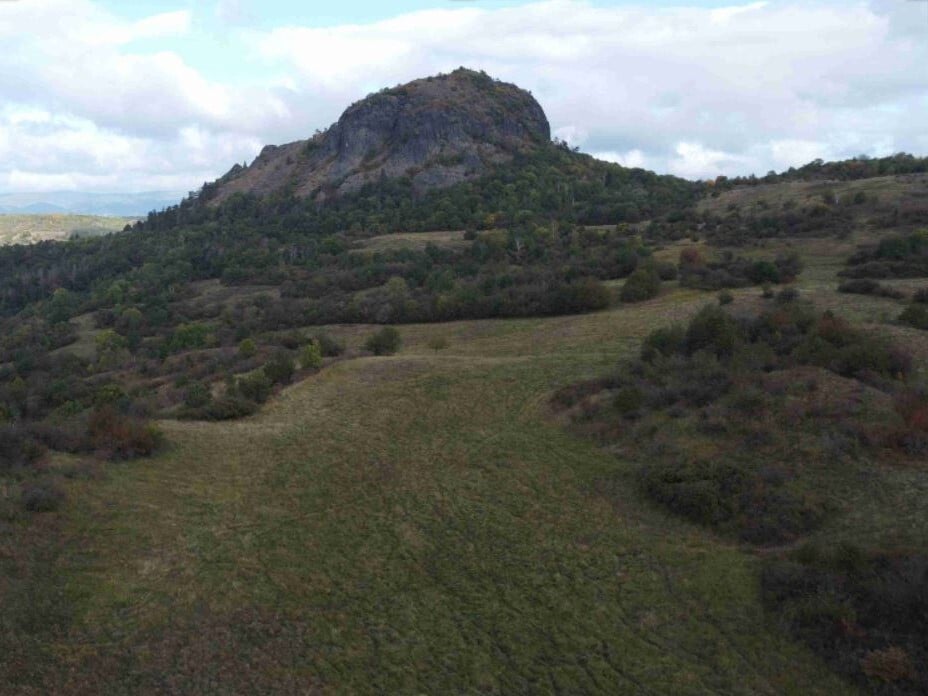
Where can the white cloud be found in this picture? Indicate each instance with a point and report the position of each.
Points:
(90, 101)
(692, 91)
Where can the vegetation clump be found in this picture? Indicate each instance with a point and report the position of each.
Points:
(896, 256)
(386, 341)
(725, 414)
(862, 611)
(736, 272)
(916, 314)
(643, 284)
(866, 286)
(42, 496)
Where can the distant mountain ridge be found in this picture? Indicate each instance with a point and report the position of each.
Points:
(438, 131)
(86, 203)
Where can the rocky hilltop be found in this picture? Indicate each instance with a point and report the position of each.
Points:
(438, 131)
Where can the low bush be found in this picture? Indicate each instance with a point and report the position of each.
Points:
(116, 436)
(255, 387)
(18, 448)
(329, 346)
(385, 342)
(643, 284)
(867, 286)
(311, 356)
(663, 342)
(247, 348)
(862, 612)
(280, 368)
(197, 395)
(900, 256)
(916, 314)
(229, 407)
(714, 330)
(737, 272)
(42, 496)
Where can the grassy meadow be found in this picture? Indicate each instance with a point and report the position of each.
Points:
(420, 523)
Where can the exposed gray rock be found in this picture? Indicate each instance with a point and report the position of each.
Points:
(439, 131)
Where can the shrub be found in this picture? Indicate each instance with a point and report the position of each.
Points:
(628, 401)
(188, 337)
(726, 298)
(111, 395)
(862, 612)
(691, 257)
(17, 448)
(42, 496)
(666, 271)
(247, 348)
(714, 330)
(385, 342)
(279, 369)
(290, 340)
(866, 286)
(731, 497)
(255, 387)
(663, 342)
(916, 314)
(116, 436)
(763, 272)
(311, 356)
(224, 408)
(197, 395)
(699, 491)
(329, 346)
(787, 295)
(643, 284)
(583, 295)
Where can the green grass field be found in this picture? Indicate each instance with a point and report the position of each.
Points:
(418, 523)
(28, 229)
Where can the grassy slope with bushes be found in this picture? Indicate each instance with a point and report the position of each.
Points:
(368, 529)
(333, 542)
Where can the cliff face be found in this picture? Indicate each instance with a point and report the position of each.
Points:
(438, 131)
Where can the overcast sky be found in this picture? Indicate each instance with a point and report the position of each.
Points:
(123, 96)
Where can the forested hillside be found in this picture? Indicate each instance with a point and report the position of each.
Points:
(694, 447)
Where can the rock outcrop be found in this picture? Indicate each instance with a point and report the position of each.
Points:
(438, 131)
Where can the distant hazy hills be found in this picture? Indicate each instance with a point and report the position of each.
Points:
(82, 203)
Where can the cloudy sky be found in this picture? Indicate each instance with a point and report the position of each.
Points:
(108, 95)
